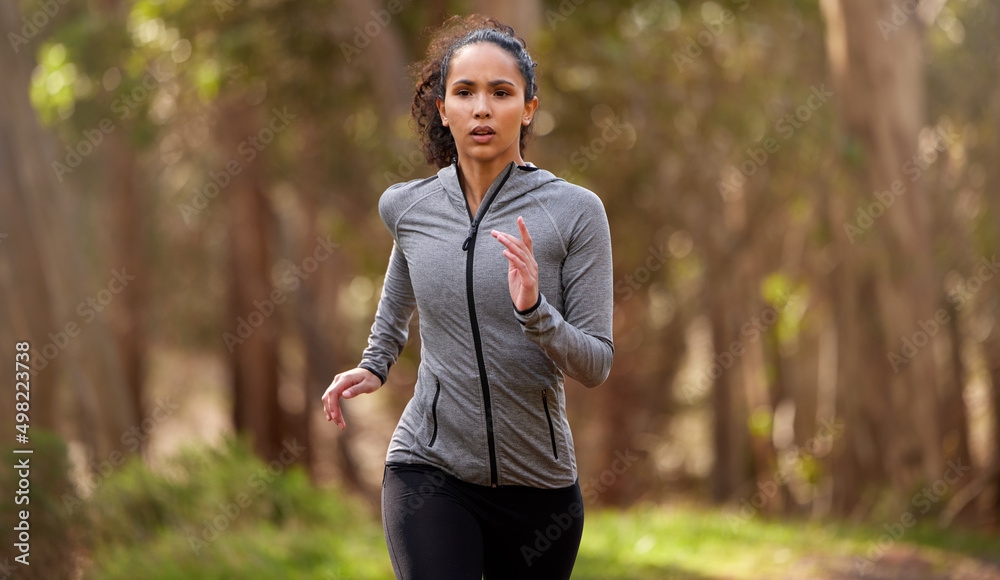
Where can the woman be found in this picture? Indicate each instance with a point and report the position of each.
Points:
(480, 477)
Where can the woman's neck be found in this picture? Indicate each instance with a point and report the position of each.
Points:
(476, 177)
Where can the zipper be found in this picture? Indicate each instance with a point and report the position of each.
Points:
(552, 431)
(434, 413)
(470, 246)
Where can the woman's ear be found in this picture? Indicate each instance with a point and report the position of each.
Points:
(529, 111)
(440, 106)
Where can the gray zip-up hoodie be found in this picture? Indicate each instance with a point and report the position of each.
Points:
(489, 405)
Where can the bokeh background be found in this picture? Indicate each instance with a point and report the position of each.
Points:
(804, 199)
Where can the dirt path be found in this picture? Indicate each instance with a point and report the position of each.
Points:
(901, 563)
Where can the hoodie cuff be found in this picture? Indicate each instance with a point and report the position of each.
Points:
(372, 370)
(525, 316)
(530, 310)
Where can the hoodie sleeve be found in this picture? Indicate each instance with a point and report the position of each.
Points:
(395, 306)
(581, 342)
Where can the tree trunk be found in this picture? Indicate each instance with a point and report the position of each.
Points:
(44, 278)
(254, 357)
(758, 397)
(729, 430)
(993, 354)
(878, 87)
(128, 322)
(126, 226)
(953, 413)
(384, 56)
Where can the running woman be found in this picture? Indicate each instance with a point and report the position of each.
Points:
(510, 269)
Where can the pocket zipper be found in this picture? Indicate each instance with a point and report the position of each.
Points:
(552, 431)
(434, 413)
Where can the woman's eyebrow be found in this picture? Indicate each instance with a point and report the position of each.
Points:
(491, 83)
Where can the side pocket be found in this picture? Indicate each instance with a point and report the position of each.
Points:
(548, 416)
(434, 413)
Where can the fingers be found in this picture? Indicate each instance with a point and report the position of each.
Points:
(347, 385)
(524, 232)
(331, 400)
(517, 261)
(512, 242)
(359, 389)
(514, 245)
(519, 255)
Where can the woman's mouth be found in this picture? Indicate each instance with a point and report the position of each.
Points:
(483, 134)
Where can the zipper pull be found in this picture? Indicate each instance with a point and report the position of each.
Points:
(472, 232)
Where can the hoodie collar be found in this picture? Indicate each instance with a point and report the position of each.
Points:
(520, 179)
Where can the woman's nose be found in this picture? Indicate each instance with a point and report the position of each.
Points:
(482, 109)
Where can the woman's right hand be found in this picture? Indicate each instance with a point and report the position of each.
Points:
(348, 384)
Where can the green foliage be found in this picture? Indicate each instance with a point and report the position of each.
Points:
(761, 421)
(223, 513)
(52, 537)
(789, 300)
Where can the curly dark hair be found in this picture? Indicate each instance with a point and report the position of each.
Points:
(457, 32)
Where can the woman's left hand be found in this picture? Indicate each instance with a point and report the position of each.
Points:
(523, 272)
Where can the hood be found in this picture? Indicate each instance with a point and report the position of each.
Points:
(513, 181)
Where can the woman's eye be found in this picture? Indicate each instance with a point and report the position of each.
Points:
(501, 93)
(463, 92)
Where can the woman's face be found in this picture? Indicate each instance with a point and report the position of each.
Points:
(484, 104)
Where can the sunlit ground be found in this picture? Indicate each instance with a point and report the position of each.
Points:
(215, 514)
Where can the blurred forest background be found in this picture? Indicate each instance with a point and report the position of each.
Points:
(804, 216)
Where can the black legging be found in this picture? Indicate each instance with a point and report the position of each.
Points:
(438, 527)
